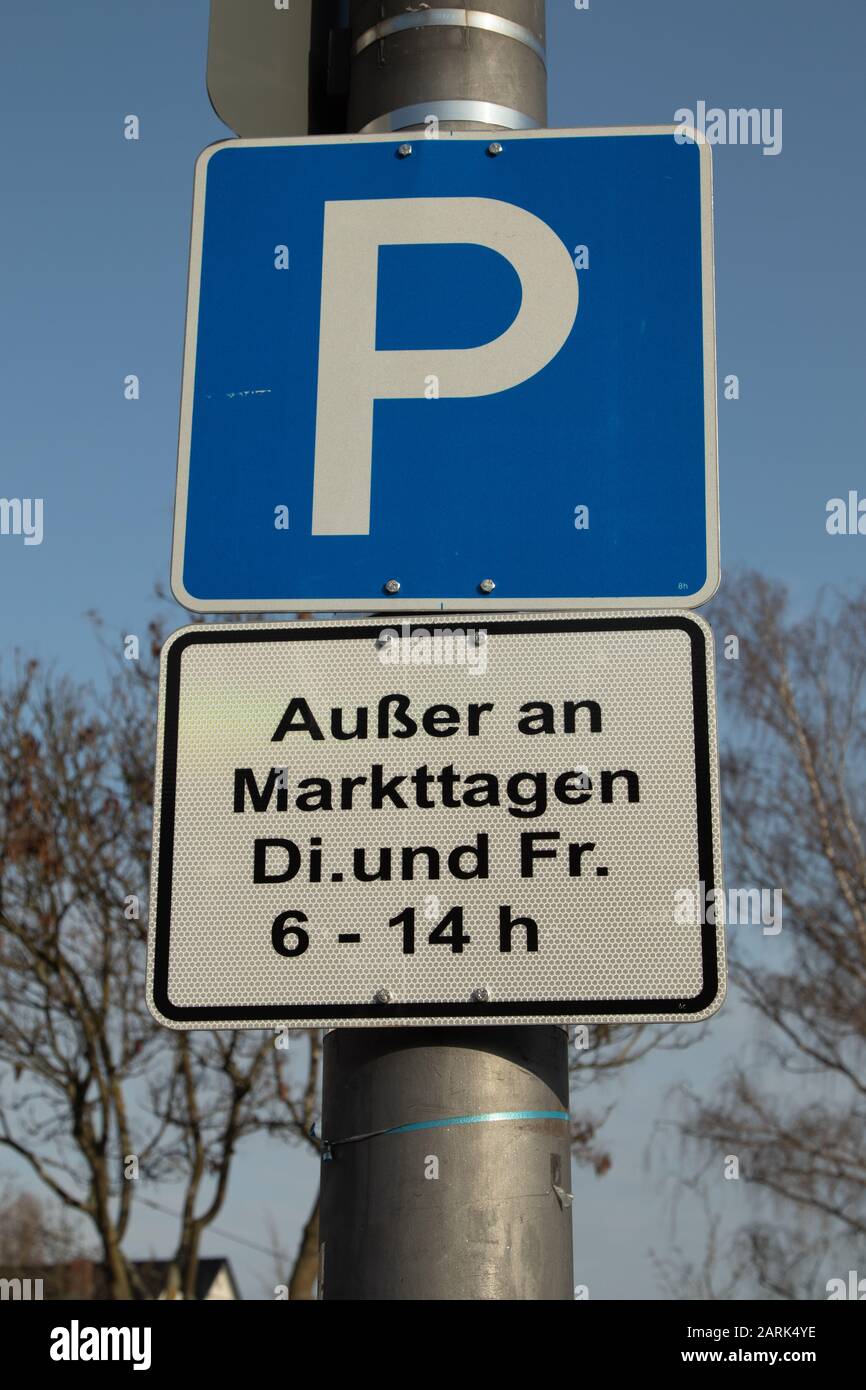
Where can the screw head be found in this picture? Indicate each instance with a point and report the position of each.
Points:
(481, 995)
(494, 149)
(404, 151)
(391, 586)
(487, 586)
(382, 996)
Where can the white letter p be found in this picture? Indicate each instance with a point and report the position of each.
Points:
(353, 374)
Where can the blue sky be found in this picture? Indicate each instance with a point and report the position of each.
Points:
(94, 258)
(93, 262)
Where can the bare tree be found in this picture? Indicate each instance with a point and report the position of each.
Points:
(792, 1107)
(74, 1032)
(713, 1278)
(35, 1232)
(218, 1088)
(302, 1104)
(93, 1093)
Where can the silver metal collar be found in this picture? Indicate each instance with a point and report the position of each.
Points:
(482, 112)
(451, 18)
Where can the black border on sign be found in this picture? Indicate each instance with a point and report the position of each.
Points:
(379, 1013)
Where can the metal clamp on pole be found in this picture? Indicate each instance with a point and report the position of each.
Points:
(462, 114)
(451, 18)
(469, 68)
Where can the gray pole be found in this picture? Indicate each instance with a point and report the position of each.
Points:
(469, 1211)
(407, 65)
(453, 1212)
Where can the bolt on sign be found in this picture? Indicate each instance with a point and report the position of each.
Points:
(443, 820)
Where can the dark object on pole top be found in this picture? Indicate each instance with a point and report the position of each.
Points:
(279, 72)
(470, 68)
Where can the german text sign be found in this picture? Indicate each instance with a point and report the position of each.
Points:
(450, 821)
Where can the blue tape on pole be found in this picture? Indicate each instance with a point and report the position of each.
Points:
(491, 1118)
(479, 1119)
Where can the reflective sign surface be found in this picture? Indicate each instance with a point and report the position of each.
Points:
(456, 820)
(449, 378)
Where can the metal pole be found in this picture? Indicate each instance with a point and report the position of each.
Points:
(467, 1211)
(474, 1210)
(470, 67)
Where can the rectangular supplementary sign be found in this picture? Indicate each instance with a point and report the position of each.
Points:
(438, 821)
(435, 372)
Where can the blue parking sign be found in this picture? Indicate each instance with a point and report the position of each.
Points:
(432, 373)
